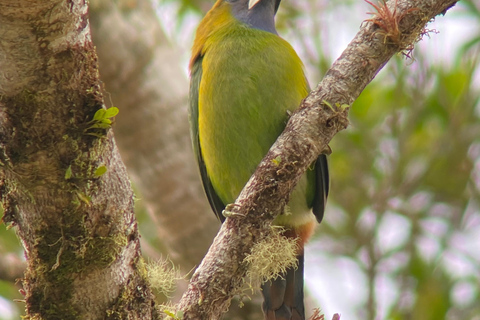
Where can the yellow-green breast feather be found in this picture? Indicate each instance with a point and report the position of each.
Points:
(244, 82)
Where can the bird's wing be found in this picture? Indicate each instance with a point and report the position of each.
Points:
(322, 186)
(196, 76)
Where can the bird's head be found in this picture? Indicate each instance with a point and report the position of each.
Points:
(258, 14)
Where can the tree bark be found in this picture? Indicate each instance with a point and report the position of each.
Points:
(143, 75)
(307, 134)
(76, 224)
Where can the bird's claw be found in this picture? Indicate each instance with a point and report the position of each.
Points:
(228, 211)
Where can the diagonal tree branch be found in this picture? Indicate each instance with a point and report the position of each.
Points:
(307, 134)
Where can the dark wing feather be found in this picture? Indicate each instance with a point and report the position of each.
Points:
(322, 186)
(196, 76)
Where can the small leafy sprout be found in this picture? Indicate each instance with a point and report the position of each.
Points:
(277, 160)
(328, 104)
(339, 112)
(176, 316)
(342, 107)
(68, 173)
(102, 119)
(100, 171)
(86, 199)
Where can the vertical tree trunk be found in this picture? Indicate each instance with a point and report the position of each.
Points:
(77, 225)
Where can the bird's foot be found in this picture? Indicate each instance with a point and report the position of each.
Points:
(228, 211)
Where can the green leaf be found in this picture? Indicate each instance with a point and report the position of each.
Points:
(277, 160)
(99, 125)
(100, 114)
(111, 112)
(100, 171)
(95, 134)
(85, 198)
(68, 173)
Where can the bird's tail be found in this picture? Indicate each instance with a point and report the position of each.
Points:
(283, 297)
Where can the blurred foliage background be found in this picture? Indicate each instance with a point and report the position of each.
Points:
(401, 235)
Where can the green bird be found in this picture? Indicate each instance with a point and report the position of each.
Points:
(245, 80)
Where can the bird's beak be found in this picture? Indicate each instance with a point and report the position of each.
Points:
(252, 3)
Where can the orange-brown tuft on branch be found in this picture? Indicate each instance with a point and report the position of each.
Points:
(388, 21)
(317, 315)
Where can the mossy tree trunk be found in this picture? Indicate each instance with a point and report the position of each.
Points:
(77, 225)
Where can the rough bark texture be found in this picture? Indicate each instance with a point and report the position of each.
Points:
(145, 80)
(77, 227)
(307, 135)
